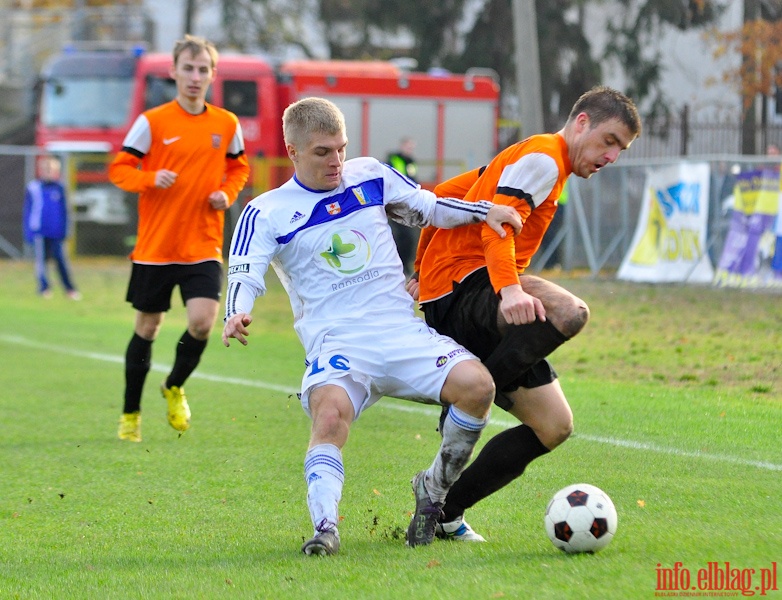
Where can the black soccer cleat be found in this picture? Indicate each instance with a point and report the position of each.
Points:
(325, 543)
(422, 528)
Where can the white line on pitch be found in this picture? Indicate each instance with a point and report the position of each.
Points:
(400, 405)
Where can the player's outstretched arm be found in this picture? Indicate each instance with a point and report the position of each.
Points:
(236, 327)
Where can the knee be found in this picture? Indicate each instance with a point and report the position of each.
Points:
(148, 325)
(200, 329)
(330, 425)
(470, 387)
(479, 394)
(332, 414)
(147, 330)
(575, 319)
(556, 432)
(484, 389)
(326, 422)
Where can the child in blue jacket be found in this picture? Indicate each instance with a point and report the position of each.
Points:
(45, 224)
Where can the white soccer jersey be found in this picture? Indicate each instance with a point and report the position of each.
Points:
(333, 250)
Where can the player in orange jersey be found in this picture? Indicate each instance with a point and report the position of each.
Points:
(472, 288)
(193, 167)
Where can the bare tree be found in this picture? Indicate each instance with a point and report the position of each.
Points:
(446, 34)
(273, 26)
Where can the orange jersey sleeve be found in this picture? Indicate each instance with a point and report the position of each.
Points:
(456, 187)
(528, 176)
(177, 224)
(125, 174)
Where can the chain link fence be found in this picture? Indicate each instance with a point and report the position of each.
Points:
(602, 212)
(595, 234)
(103, 217)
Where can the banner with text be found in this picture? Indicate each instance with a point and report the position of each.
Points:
(669, 244)
(752, 254)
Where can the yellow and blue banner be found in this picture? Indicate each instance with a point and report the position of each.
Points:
(669, 244)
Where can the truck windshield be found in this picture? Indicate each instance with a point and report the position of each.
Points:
(86, 102)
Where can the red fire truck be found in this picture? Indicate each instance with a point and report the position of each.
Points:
(90, 98)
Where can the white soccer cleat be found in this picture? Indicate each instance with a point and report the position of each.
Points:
(459, 530)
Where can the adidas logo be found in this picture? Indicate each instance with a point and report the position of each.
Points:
(296, 217)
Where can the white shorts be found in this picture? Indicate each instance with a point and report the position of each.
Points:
(408, 360)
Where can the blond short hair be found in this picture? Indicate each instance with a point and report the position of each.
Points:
(308, 116)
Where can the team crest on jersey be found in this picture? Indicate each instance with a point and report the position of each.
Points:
(216, 138)
(334, 208)
(359, 194)
(348, 251)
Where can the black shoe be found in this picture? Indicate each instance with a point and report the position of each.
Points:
(427, 513)
(325, 543)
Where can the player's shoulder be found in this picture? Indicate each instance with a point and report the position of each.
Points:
(543, 143)
(545, 147)
(363, 168)
(160, 111)
(362, 163)
(221, 113)
(155, 117)
(275, 199)
(543, 151)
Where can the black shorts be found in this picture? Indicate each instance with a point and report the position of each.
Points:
(469, 315)
(151, 286)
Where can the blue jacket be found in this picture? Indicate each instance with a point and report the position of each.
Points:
(45, 210)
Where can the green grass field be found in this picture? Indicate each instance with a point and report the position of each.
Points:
(677, 396)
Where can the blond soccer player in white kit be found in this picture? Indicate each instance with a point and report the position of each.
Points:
(326, 234)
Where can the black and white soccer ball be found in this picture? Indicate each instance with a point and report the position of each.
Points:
(581, 518)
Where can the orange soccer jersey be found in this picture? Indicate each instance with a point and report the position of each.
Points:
(528, 175)
(178, 225)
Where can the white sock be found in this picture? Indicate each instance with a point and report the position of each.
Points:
(325, 476)
(460, 434)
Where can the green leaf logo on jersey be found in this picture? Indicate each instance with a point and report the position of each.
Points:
(338, 248)
(348, 252)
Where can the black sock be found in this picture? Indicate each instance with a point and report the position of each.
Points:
(502, 459)
(138, 359)
(188, 355)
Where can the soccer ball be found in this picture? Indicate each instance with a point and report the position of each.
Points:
(581, 518)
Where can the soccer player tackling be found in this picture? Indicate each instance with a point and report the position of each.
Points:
(326, 234)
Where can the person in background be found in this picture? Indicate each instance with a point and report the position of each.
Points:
(325, 232)
(473, 288)
(45, 224)
(193, 167)
(406, 238)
